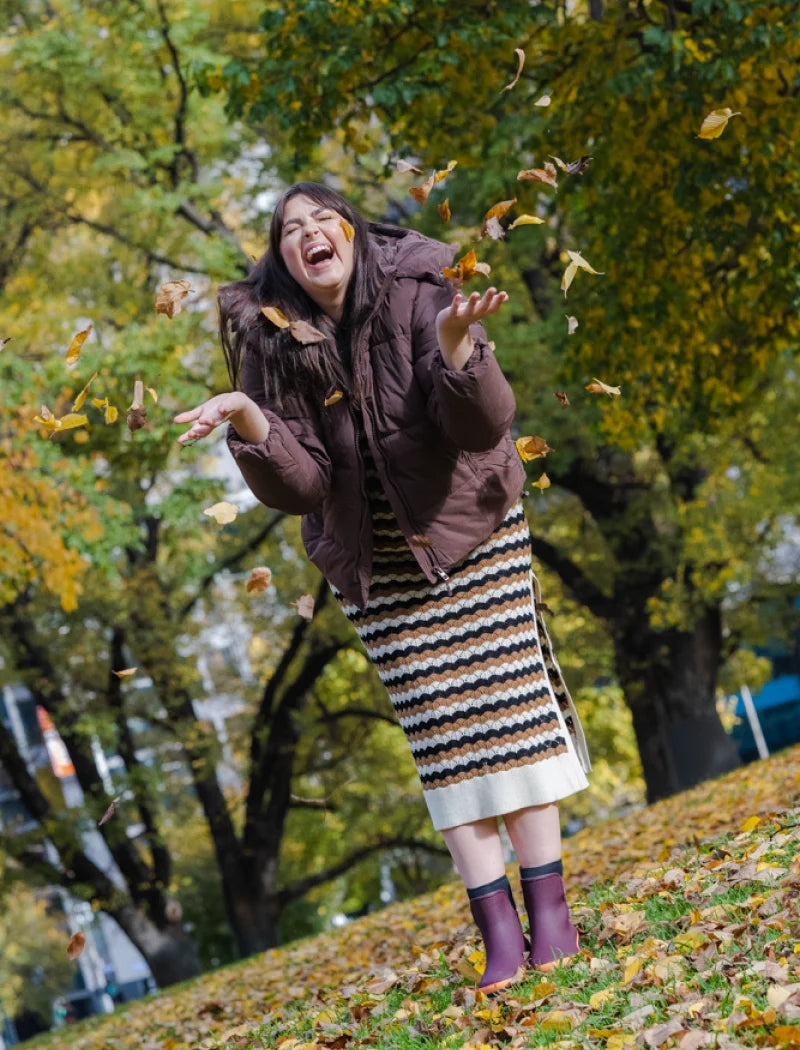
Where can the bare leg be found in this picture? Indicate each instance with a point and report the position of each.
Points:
(477, 851)
(535, 834)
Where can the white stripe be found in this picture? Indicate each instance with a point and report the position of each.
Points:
(462, 708)
(457, 681)
(488, 621)
(426, 665)
(506, 748)
(457, 736)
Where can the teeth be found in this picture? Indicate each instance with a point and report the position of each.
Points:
(316, 250)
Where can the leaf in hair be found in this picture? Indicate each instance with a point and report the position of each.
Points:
(306, 333)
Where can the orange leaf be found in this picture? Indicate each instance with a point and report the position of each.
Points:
(278, 318)
(77, 943)
(546, 174)
(126, 673)
(259, 580)
(439, 175)
(598, 387)
(532, 448)
(74, 349)
(170, 296)
(466, 267)
(497, 211)
(444, 210)
(421, 193)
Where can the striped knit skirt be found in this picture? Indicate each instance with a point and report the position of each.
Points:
(470, 671)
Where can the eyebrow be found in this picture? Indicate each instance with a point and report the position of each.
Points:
(314, 214)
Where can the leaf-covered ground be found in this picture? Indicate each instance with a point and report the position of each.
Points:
(689, 918)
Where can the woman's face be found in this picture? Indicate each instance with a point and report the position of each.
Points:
(316, 251)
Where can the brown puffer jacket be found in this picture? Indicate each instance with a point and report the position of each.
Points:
(439, 436)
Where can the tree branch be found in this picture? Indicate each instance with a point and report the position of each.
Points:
(586, 592)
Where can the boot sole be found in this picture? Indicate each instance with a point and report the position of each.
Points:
(498, 986)
(545, 967)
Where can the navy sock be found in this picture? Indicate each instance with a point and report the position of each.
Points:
(489, 887)
(553, 868)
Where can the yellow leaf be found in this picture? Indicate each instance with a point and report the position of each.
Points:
(497, 211)
(580, 262)
(72, 420)
(348, 230)
(599, 999)
(332, 399)
(126, 672)
(715, 123)
(78, 403)
(598, 387)
(532, 448)
(152, 394)
(526, 220)
(74, 350)
(439, 175)
(259, 580)
(632, 967)
(272, 313)
(111, 414)
(566, 280)
(223, 513)
(170, 296)
(444, 210)
(521, 62)
(466, 267)
(542, 484)
(750, 824)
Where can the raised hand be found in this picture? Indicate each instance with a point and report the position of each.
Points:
(245, 414)
(452, 323)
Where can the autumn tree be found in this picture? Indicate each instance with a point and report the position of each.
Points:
(666, 500)
(116, 178)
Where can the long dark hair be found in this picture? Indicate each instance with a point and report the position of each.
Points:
(289, 367)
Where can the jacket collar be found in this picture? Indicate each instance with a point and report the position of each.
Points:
(410, 254)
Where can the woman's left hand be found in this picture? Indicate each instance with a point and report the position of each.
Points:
(452, 323)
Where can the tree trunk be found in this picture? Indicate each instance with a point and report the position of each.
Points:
(169, 952)
(669, 681)
(256, 923)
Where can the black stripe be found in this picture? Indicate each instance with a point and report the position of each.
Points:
(484, 736)
(507, 649)
(496, 707)
(487, 763)
(449, 616)
(454, 691)
(481, 632)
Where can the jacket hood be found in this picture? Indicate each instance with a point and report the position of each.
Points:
(411, 254)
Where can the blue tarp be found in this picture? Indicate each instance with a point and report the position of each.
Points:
(785, 689)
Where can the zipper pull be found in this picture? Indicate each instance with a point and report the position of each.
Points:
(437, 571)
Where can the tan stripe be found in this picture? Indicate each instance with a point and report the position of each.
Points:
(467, 619)
(516, 763)
(479, 694)
(464, 722)
(462, 751)
(484, 666)
(433, 654)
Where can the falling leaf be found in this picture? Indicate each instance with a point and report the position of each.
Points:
(68, 422)
(466, 267)
(421, 193)
(306, 333)
(714, 124)
(575, 167)
(562, 398)
(444, 210)
(521, 62)
(577, 262)
(4, 340)
(74, 350)
(78, 403)
(439, 175)
(546, 174)
(545, 100)
(109, 813)
(566, 280)
(333, 398)
(532, 448)
(111, 414)
(542, 484)
(170, 296)
(497, 211)
(598, 387)
(404, 166)
(223, 513)
(77, 943)
(259, 580)
(526, 220)
(126, 672)
(418, 540)
(152, 394)
(572, 324)
(137, 414)
(493, 229)
(278, 318)
(347, 229)
(305, 606)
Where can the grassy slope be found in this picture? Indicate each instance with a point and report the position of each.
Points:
(689, 919)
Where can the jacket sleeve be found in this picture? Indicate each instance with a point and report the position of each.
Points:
(290, 470)
(473, 406)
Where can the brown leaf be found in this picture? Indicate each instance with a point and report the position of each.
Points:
(521, 62)
(109, 813)
(126, 672)
(660, 1033)
(333, 398)
(466, 267)
(444, 210)
(497, 211)
(574, 167)
(77, 943)
(137, 415)
(258, 580)
(306, 333)
(74, 349)
(532, 448)
(404, 166)
(78, 402)
(278, 318)
(562, 398)
(546, 174)
(170, 296)
(421, 193)
(305, 606)
(598, 387)
(4, 340)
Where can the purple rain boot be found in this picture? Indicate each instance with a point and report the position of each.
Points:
(553, 937)
(497, 919)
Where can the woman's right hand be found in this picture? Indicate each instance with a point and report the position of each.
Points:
(235, 406)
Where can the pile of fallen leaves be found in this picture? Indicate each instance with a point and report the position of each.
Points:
(688, 911)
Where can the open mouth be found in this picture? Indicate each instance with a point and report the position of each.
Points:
(318, 253)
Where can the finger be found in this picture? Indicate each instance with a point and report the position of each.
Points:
(188, 417)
